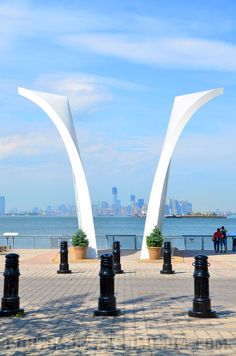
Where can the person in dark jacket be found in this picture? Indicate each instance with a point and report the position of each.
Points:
(224, 238)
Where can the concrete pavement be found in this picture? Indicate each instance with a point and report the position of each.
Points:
(59, 318)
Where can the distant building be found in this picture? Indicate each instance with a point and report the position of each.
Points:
(62, 209)
(129, 210)
(167, 209)
(132, 202)
(2, 205)
(186, 207)
(140, 203)
(132, 199)
(118, 206)
(178, 208)
(95, 210)
(114, 199)
(35, 210)
(144, 210)
(103, 209)
(104, 205)
(172, 206)
(48, 210)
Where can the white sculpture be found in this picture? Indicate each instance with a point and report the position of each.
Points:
(58, 109)
(183, 109)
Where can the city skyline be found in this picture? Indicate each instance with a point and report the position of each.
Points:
(121, 64)
(136, 207)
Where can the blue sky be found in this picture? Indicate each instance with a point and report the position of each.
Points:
(121, 63)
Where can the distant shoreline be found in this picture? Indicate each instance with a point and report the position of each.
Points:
(114, 216)
(196, 216)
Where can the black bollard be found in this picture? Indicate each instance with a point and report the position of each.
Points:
(64, 266)
(167, 266)
(11, 300)
(107, 300)
(116, 257)
(201, 300)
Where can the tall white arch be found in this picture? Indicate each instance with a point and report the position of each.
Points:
(183, 109)
(58, 109)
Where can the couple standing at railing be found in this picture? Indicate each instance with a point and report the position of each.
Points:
(220, 240)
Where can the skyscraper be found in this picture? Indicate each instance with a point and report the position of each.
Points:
(167, 209)
(186, 207)
(172, 206)
(140, 203)
(114, 199)
(2, 205)
(132, 199)
(132, 202)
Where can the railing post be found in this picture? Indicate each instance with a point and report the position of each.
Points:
(202, 243)
(185, 243)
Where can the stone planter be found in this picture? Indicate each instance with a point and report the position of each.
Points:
(154, 253)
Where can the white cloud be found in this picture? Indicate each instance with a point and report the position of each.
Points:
(30, 144)
(167, 52)
(85, 93)
(132, 37)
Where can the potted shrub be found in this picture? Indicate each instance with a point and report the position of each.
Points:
(80, 244)
(154, 243)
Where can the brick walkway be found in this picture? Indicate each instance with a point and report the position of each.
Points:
(59, 310)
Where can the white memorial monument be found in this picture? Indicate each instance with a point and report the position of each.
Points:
(183, 109)
(58, 109)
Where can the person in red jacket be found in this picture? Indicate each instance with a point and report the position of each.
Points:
(217, 238)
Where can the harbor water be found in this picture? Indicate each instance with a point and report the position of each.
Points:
(42, 229)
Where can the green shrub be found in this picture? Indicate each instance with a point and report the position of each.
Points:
(155, 239)
(80, 239)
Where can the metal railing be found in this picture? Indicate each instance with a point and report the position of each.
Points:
(130, 242)
(34, 241)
